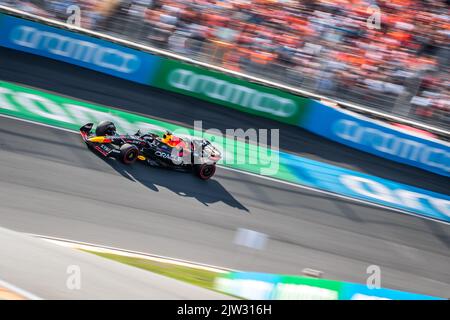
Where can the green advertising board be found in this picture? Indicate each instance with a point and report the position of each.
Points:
(42, 107)
(229, 91)
(266, 286)
(303, 288)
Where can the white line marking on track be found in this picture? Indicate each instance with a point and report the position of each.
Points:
(331, 194)
(129, 253)
(335, 195)
(19, 291)
(38, 123)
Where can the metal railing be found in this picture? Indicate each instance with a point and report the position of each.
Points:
(321, 84)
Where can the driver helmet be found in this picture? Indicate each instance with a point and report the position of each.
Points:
(170, 139)
(167, 137)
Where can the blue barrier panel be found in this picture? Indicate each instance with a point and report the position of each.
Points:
(353, 291)
(377, 138)
(77, 49)
(366, 187)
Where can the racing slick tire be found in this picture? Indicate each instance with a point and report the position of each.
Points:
(205, 171)
(128, 153)
(105, 128)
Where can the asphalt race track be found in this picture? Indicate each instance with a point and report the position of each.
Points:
(41, 269)
(51, 184)
(99, 88)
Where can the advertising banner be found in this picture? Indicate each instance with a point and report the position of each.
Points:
(303, 288)
(344, 127)
(77, 49)
(354, 291)
(230, 92)
(248, 285)
(358, 185)
(266, 286)
(42, 107)
(378, 138)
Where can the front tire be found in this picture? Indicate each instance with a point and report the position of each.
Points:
(128, 153)
(105, 128)
(205, 171)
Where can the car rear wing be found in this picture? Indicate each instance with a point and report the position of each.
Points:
(86, 130)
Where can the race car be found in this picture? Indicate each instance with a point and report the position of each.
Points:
(168, 151)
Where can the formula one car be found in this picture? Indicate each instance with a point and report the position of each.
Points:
(168, 151)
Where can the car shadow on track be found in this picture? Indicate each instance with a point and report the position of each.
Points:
(184, 184)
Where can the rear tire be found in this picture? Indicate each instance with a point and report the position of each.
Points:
(205, 171)
(105, 128)
(128, 153)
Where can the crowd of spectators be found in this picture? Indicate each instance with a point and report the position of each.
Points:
(335, 48)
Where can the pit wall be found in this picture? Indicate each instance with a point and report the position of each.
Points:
(342, 126)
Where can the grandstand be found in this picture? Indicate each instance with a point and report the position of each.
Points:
(326, 47)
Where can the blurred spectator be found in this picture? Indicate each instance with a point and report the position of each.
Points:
(321, 45)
